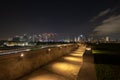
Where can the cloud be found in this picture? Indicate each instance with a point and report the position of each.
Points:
(103, 13)
(109, 26)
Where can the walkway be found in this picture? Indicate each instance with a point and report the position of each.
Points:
(87, 71)
(65, 68)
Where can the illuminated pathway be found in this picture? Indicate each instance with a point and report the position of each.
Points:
(65, 68)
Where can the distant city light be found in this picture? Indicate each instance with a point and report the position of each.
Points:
(81, 35)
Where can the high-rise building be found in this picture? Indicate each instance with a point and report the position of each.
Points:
(107, 39)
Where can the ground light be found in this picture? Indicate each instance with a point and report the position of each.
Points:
(88, 48)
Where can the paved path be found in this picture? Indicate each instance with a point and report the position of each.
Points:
(87, 71)
(65, 68)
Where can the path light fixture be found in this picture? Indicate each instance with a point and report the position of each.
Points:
(21, 55)
(60, 47)
(49, 49)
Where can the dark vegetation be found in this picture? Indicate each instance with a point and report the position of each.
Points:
(107, 60)
(9, 48)
(106, 46)
(52, 43)
(106, 53)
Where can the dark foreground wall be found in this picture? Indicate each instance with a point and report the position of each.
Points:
(14, 66)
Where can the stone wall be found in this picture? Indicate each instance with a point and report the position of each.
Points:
(14, 66)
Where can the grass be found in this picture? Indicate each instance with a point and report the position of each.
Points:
(101, 52)
(106, 59)
(107, 72)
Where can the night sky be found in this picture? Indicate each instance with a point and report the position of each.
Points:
(96, 17)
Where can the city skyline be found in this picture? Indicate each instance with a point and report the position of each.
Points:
(73, 18)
